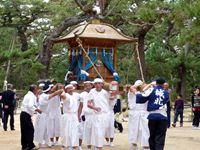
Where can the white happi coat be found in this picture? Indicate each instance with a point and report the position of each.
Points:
(40, 132)
(88, 113)
(69, 121)
(109, 133)
(54, 119)
(138, 130)
(100, 119)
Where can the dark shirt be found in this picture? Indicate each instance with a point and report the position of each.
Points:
(193, 101)
(8, 98)
(117, 107)
(179, 104)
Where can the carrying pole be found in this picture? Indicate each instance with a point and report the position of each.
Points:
(80, 45)
(139, 61)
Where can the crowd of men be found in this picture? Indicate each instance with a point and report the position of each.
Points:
(69, 118)
(87, 116)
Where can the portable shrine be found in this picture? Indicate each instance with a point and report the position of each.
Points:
(93, 51)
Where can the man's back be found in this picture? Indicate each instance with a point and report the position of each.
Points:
(8, 99)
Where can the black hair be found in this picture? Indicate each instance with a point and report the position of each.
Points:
(9, 86)
(160, 81)
(180, 95)
(32, 87)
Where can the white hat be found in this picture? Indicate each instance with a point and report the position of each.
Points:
(87, 82)
(98, 80)
(73, 82)
(69, 86)
(138, 83)
(41, 85)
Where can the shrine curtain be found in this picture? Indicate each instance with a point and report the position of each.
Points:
(108, 63)
(93, 56)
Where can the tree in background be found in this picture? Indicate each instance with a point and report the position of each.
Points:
(168, 33)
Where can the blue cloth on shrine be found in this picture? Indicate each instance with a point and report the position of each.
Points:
(107, 62)
(88, 65)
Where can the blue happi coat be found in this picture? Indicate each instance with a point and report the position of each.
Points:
(157, 99)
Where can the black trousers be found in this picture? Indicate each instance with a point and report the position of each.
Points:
(157, 130)
(177, 113)
(1, 111)
(196, 118)
(119, 126)
(7, 113)
(27, 131)
(169, 118)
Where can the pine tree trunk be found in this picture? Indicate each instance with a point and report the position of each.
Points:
(140, 70)
(141, 33)
(180, 89)
(23, 39)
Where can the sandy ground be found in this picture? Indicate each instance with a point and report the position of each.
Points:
(184, 138)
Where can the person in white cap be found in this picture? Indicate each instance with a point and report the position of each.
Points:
(99, 102)
(86, 116)
(109, 132)
(80, 127)
(40, 133)
(75, 84)
(54, 116)
(69, 121)
(138, 131)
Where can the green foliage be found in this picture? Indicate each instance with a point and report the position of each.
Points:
(126, 66)
(59, 65)
(25, 73)
(41, 18)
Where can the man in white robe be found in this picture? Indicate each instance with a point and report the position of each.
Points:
(54, 119)
(80, 107)
(69, 121)
(138, 131)
(86, 116)
(99, 102)
(40, 133)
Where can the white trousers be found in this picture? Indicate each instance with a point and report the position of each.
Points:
(110, 130)
(99, 124)
(54, 126)
(87, 131)
(138, 130)
(80, 129)
(40, 131)
(69, 128)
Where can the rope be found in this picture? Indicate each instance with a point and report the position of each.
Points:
(140, 64)
(80, 45)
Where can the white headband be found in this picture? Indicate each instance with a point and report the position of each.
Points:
(73, 82)
(87, 82)
(98, 80)
(69, 86)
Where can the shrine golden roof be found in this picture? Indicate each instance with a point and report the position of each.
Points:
(96, 31)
